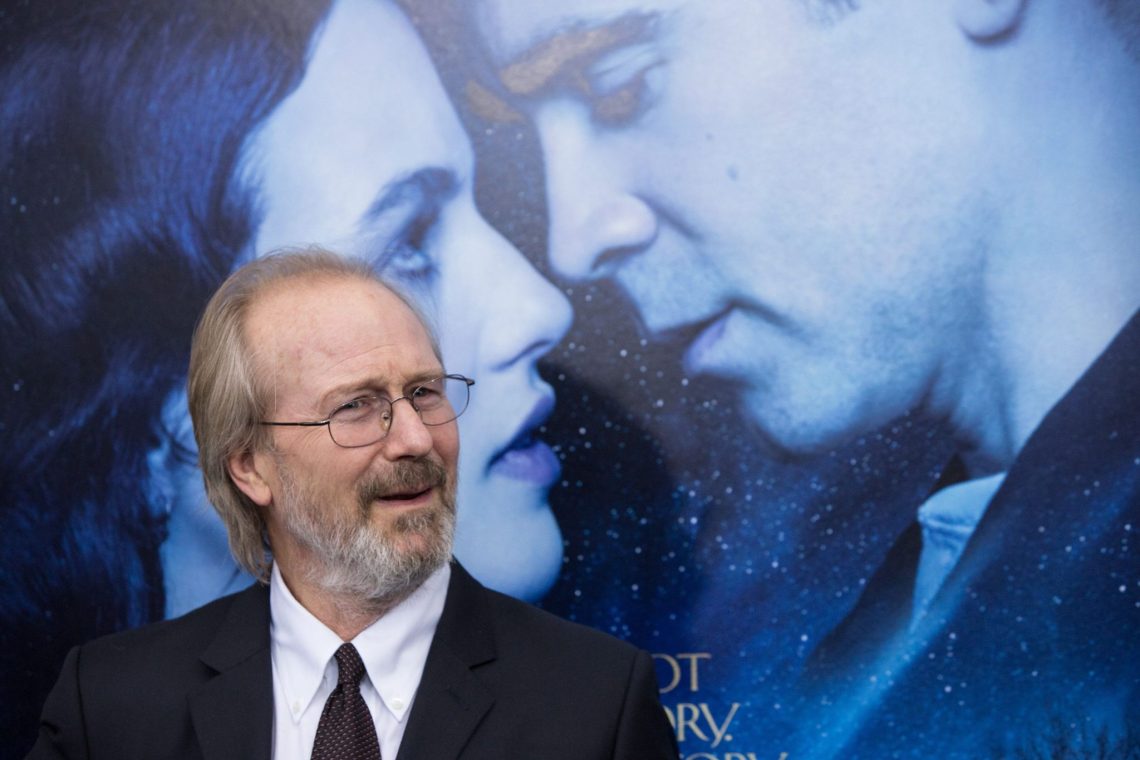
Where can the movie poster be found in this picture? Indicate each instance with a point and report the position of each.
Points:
(804, 333)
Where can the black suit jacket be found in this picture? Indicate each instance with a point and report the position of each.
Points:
(502, 680)
(1029, 648)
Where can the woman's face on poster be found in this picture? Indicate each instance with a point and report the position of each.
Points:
(367, 157)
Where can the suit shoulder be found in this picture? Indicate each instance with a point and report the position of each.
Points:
(168, 642)
(519, 622)
(128, 693)
(480, 621)
(560, 689)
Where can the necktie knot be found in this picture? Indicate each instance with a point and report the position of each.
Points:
(350, 668)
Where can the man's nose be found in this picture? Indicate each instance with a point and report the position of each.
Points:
(597, 219)
(408, 436)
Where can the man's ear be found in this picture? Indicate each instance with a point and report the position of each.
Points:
(247, 470)
(984, 20)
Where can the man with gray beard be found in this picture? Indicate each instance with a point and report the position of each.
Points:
(325, 422)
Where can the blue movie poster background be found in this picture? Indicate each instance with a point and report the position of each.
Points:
(774, 587)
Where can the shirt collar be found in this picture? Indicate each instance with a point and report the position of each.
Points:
(958, 508)
(394, 648)
(948, 519)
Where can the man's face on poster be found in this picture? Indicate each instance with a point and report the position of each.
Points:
(786, 188)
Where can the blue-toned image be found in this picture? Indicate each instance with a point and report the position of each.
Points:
(804, 333)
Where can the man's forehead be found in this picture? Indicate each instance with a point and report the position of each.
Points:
(314, 317)
(293, 292)
(311, 337)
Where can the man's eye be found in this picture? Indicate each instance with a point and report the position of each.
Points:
(357, 409)
(427, 396)
(625, 84)
(623, 105)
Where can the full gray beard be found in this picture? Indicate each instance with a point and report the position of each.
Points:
(352, 558)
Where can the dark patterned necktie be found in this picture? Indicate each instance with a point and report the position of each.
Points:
(346, 730)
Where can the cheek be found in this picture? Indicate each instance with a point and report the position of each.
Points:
(446, 445)
(338, 477)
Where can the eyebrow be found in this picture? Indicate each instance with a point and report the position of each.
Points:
(370, 386)
(429, 186)
(551, 59)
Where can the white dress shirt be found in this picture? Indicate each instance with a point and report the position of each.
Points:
(948, 519)
(394, 650)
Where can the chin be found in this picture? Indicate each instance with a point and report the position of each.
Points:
(801, 431)
(796, 432)
(509, 542)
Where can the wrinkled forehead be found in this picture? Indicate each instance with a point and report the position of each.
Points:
(518, 31)
(303, 330)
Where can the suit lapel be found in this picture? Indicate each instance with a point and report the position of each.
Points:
(451, 700)
(1033, 592)
(1046, 507)
(882, 612)
(232, 713)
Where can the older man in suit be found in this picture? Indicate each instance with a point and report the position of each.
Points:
(326, 426)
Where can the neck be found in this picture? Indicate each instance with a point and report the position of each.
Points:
(1049, 314)
(346, 615)
(1062, 267)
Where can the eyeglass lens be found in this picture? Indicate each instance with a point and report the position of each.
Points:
(366, 420)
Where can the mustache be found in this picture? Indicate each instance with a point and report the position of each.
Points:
(403, 477)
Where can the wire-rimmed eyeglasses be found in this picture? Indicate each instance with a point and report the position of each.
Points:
(367, 419)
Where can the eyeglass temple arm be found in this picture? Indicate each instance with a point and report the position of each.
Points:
(295, 424)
